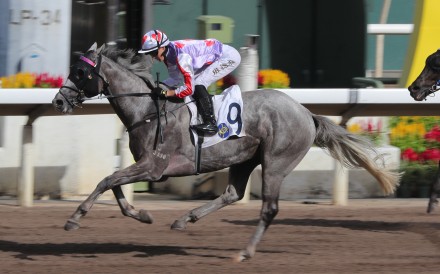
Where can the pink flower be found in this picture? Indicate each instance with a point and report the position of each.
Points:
(370, 127)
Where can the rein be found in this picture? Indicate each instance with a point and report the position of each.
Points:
(105, 93)
(135, 94)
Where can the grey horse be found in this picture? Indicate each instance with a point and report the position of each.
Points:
(279, 132)
(426, 84)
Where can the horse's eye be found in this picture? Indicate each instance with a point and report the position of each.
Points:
(79, 74)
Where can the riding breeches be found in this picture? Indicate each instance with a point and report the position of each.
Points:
(228, 62)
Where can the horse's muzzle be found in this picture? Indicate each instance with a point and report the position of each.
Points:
(417, 93)
(60, 105)
(57, 103)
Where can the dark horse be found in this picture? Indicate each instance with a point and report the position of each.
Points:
(279, 132)
(426, 84)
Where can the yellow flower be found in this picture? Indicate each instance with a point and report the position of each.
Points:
(273, 78)
(19, 80)
(354, 128)
(403, 128)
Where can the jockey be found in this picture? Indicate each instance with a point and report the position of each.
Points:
(192, 66)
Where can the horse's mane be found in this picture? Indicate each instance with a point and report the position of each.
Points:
(139, 64)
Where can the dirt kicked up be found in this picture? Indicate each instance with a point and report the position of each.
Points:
(367, 236)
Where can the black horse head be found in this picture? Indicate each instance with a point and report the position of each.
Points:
(84, 80)
(428, 81)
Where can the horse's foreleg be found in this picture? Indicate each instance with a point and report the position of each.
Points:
(73, 222)
(134, 173)
(434, 191)
(238, 177)
(128, 210)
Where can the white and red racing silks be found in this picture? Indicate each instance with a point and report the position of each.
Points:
(187, 61)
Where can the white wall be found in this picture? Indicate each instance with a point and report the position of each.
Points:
(38, 36)
(83, 148)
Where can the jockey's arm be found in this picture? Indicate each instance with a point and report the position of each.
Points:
(184, 67)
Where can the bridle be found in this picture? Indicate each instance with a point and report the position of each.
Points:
(85, 75)
(434, 88)
(432, 64)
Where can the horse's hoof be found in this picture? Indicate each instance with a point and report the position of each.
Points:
(431, 205)
(430, 208)
(71, 225)
(145, 216)
(242, 256)
(178, 225)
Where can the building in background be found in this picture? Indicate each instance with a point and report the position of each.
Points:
(320, 43)
(35, 36)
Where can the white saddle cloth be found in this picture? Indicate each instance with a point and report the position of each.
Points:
(228, 109)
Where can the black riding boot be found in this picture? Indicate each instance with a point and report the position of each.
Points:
(206, 109)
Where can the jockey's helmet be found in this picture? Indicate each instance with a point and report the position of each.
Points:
(153, 40)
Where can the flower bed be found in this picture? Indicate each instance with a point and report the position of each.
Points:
(31, 80)
(419, 140)
(369, 128)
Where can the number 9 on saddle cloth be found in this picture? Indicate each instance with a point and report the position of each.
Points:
(228, 109)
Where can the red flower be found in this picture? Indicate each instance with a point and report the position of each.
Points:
(229, 80)
(260, 80)
(433, 135)
(410, 155)
(43, 80)
(58, 82)
(431, 154)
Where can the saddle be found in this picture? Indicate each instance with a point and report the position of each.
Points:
(228, 110)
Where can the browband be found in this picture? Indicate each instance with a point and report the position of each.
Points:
(88, 61)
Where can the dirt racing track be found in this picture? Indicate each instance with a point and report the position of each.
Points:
(368, 236)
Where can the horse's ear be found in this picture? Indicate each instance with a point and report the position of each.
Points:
(100, 49)
(77, 53)
(93, 47)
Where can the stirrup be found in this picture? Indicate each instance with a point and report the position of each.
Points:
(207, 129)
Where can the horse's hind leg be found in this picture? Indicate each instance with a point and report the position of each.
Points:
(270, 193)
(434, 192)
(128, 210)
(238, 177)
(275, 168)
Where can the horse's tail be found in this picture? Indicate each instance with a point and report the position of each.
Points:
(353, 151)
